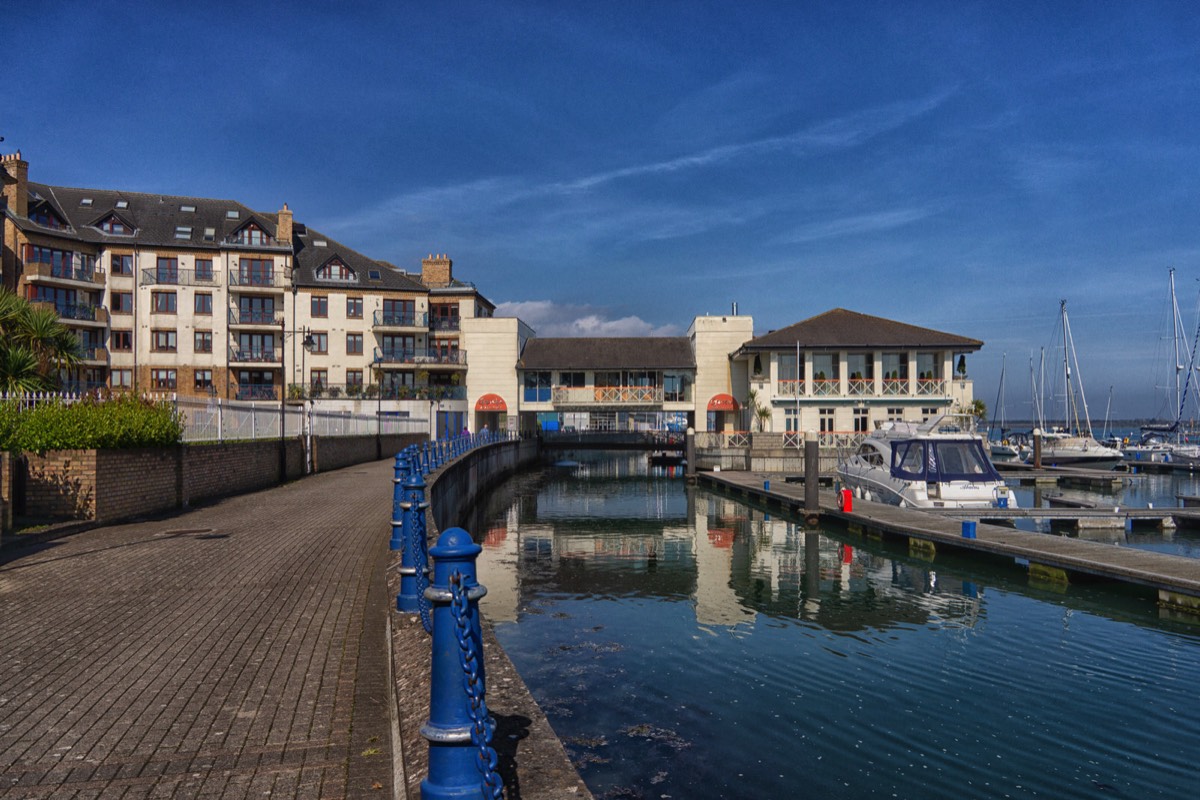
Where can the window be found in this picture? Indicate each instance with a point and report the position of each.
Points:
(122, 204)
(232, 214)
(319, 378)
(537, 387)
(87, 201)
(256, 310)
(399, 312)
(791, 420)
(167, 270)
(354, 344)
(121, 378)
(120, 340)
(162, 302)
(826, 419)
(203, 380)
(204, 303)
(202, 342)
(121, 265)
(183, 232)
(187, 209)
(320, 342)
(45, 217)
(210, 234)
(115, 226)
(574, 380)
(354, 377)
(121, 302)
(256, 272)
(860, 420)
(204, 269)
(319, 306)
(162, 379)
(930, 413)
(335, 270)
(251, 234)
(163, 341)
(354, 307)
(895, 414)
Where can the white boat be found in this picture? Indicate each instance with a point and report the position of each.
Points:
(1001, 447)
(936, 464)
(1075, 445)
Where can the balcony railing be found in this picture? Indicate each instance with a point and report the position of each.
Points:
(372, 391)
(860, 387)
(826, 387)
(81, 312)
(94, 354)
(425, 357)
(400, 319)
(257, 391)
(256, 280)
(178, 277)
(789, 387)
(607, 395)
(239, 316)
(254, 355)
(893, 387)
(444, 324)
(57, 269)
(256, 241)
(931, 387)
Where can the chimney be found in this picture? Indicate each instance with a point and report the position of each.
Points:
(283, 229)
(436, 270)
(16, 183)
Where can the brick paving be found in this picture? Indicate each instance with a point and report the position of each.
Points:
(235, 650)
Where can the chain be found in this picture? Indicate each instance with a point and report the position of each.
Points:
(420, 559)
(481, 725)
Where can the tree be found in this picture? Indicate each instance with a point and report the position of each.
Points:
(759, 413)
(35, 346)
(978, 409)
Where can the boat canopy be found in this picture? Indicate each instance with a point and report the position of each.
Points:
(942, 460)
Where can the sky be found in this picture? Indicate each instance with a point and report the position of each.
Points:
(614, 168)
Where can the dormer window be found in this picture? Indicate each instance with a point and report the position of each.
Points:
(42, 215)
(252, 235)
(210, 234)
(115, 226)
(335, 270)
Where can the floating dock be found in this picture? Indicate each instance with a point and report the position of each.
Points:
(1049, 558)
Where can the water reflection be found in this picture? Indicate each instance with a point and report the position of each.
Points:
(685, 645)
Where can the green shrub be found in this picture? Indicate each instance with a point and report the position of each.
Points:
(123, 422)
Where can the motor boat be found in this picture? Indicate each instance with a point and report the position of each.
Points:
(1062, 449)
(937, 464)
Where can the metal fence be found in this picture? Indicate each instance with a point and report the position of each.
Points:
(217, 420)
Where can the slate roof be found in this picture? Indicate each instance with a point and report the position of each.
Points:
(371, 274)
(608, 353)
(840, 328)
(154, 217)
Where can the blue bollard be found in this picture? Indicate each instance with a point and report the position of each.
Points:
(968, 529)
(398, 472)
(413, 507)
(766, 486)
(456, 739)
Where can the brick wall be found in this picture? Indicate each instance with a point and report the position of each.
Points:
(131, 483)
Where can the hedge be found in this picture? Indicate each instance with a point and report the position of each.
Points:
(121, 422)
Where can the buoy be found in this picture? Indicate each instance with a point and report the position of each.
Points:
(846, 501)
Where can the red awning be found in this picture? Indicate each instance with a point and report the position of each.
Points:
(491, 402)
(722, 402)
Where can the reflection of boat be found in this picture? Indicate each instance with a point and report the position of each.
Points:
(937, 464)
(666, 459)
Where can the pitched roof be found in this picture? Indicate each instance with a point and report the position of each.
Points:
(840, 328)
(314, 250)
(608, 353)
(156, 218)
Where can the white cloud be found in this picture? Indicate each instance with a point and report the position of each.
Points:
(551, 319)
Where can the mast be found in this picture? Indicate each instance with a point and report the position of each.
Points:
(1070, 355)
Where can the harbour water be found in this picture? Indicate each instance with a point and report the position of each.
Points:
(686, 646)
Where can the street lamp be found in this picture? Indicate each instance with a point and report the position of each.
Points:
(378, 370)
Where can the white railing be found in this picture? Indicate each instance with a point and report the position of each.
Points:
(712, 440)
(219, 420)
(607, 395)
(789, 387)
(931, 387)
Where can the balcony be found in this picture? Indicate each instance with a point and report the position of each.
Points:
(94, 355)
(47, 272)
(860, 387)
(400, 319)
(438, 324)
(931, 387)
(789, 387)
(255, 355)
(77, 312)
(422, 357)
(257, 391)
(178, 277)
(827, 387)
(895, 387)
(245, 317)
(596, 396)
(257, 241)
(268, 281)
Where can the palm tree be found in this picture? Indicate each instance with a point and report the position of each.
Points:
(758, 412)
(34, 346)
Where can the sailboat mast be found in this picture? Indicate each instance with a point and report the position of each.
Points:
(1176, 325)
(1069, 396)
(1086, 427)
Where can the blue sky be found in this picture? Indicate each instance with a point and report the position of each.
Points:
(618, 168)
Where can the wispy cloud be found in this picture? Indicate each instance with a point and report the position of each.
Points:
(857, 225)
(559, 319)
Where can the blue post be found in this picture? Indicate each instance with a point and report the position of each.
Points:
(398, 470)
(461, 761)
(968, 529)
(413, 507)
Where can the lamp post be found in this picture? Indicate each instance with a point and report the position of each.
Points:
(378, 370)
(282, 403)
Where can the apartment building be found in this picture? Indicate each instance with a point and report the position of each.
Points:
(209, 297)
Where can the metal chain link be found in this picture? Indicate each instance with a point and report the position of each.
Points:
(481, 724)
(420, 560)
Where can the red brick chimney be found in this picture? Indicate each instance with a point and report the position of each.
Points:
(16, 183)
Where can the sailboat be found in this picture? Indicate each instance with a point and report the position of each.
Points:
(1001, 447)
(1074, 445)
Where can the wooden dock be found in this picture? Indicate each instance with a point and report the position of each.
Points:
(1048, 557)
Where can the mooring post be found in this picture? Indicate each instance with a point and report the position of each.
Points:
(812, 478)
(398, 473)
(690, 454)
(412, 509)
(1037, 448)
(458, 729)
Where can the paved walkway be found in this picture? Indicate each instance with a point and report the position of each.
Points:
(237, 650)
